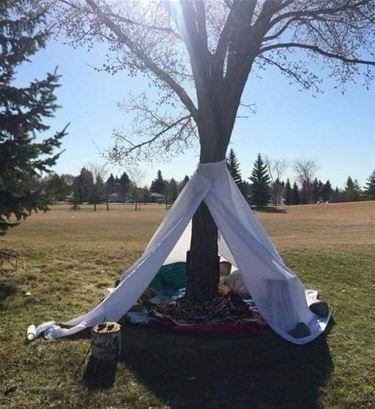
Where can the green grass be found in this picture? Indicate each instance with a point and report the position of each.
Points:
(69, 258)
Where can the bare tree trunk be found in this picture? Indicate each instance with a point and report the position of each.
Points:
(202, 259)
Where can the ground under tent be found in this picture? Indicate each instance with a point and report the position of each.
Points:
(277, 292)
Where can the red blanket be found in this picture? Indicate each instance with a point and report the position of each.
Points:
(226, 316)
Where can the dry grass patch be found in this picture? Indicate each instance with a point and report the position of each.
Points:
(70, 257)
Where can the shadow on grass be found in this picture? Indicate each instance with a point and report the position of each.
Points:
(247, 373)
(99, 374)
(6, 290)
(269, 209)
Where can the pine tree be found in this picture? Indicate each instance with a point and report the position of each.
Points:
(316, 192)
(234, 167)
(83, 186)
(327, 191)
(288, 193)
(172, 191)
(182, 184)
(295, 194)
(352, 190)
(124, 184)
(370, 186)
(23, 111)
(336, 195)
(260, 189)
(56, 187)
(110, 185)
(158, 184)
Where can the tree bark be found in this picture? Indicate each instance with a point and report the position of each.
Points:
(202, 259)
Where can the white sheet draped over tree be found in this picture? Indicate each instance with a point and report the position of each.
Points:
(276, 290)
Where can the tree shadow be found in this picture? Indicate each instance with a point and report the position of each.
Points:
(7, 289)
(269, 209)
(99, 374)
(259, 372)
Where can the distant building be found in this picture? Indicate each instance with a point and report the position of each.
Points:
(119, 197)
(157, 198)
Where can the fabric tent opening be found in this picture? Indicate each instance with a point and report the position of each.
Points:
(278, 293)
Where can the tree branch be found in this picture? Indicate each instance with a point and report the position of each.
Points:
(317, 50)
(314, 13)
(158, 72)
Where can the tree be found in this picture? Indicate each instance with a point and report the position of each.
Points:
(337, 195)
(260, 179)
(276, 169)
(288, 194)
(210, 48)
(352, 190)
(327, 191)
(111, 185)
(136, 176)
(56, 187)
(316, 191)
(83, 186)
(124, 184)
(158, 184)
(97, 192)
(295, 194)
(370, 186)
(305, 171)
(24, 155)
(172, 191)
(182, 184)
(234, 168)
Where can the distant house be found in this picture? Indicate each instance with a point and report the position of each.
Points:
(119, 197)
(157, 198)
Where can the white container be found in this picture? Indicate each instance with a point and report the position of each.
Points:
(31, 332)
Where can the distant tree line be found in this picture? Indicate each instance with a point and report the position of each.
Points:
(264, 186)
(93, 187)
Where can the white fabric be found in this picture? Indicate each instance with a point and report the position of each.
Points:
(276, 290)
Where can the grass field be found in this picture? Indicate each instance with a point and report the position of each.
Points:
(70, 257)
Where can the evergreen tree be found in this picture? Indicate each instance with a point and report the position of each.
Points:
(352, 190)
(56, 187)
(124, 184)
(234, 167)
(327, 191)
(370, 186)
(295, 194)
(316, 191)
(110, 185)
(336, 195)
(172, 191)
(83, 186)
(183, 183)
(158, 184)
(260, 189)
(23, 111)
(288, 193)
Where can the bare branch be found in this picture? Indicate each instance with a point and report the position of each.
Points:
(318, 50)
(161, 74)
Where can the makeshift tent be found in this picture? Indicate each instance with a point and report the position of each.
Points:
(277, 291)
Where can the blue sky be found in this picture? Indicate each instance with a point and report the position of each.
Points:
(335, 130)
